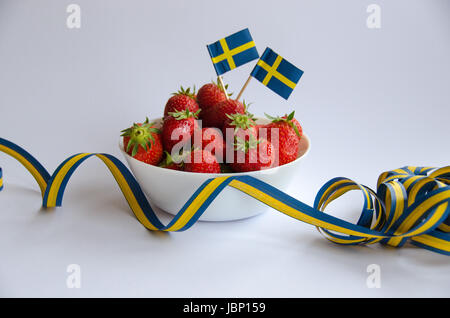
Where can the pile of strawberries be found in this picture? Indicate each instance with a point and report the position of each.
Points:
(208, 132)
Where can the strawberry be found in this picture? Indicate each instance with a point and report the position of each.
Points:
(142, 141)
(212, 140)
(182, 125)
(169, 162)
(216, 115)
(288, 136)
(242, 125)
(299, 131)
(258, 127)
(182, 100)
(209, 118)
(210, 95)
(202, 161)
(252, 155)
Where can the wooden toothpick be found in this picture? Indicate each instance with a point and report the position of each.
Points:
(219, 78)
(244, 87)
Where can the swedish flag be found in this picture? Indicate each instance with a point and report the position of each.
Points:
(233, 51)
(276, 73)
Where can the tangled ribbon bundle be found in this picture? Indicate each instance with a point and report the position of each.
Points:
(411, 203)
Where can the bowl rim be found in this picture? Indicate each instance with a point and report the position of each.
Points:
(226, 174)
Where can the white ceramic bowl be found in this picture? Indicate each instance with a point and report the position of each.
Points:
(170, 189)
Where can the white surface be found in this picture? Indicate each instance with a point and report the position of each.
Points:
(370, 100)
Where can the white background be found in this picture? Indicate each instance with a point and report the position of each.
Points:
(370, 100)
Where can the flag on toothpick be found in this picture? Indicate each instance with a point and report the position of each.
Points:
(276, 73)
(233, 51)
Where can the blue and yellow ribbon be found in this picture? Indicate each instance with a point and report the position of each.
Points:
(411, 203)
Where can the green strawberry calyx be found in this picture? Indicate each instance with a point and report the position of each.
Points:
(171, 160)
(140, 135)
(286, 119)
(245, 145)
(223, 89)
(240, 121)
(184, 114)
(246, 107)
(187, 92)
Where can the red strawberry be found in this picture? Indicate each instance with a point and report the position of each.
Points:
(182, 100)
(252, 155)
(202, 161)
(209, 95)
(169, 162)
(242, 125)
(212, 140)
(258, 127)
(143, 142)
(181, 125)
(217, 115)
(209, 118)
(288, 137)
(299, 131)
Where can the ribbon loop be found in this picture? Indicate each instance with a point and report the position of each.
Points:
(411, 203)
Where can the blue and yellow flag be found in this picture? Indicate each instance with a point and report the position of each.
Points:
(276, 73)
(233, 51)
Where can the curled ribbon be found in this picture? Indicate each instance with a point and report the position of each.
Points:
(411, 203)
